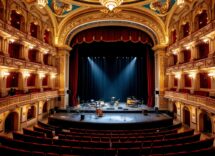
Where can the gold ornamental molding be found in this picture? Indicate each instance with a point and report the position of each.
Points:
(143, 22)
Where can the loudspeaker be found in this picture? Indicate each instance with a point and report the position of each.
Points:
(145, 112)
(59, 98)
(156, 92)
(82, 117)
(156, 110)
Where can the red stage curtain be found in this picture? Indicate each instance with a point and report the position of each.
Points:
(205, 80)
(150, 78)
(73, 78)
(12, 80)
(109, 34)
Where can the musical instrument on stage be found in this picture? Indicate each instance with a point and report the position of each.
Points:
(132, 101)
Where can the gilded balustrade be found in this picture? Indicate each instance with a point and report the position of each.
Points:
(11, 102)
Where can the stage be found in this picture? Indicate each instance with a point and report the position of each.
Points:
(114, 117)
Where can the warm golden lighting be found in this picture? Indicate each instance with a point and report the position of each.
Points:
(111, 4)
(180, 3)
(42, 3)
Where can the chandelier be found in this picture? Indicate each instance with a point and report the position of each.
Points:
(111, 4)
(42, 3)
(180, 3)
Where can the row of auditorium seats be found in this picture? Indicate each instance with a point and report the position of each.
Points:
(88, 151)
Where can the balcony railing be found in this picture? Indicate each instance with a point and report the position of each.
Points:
(202, 63)
(12, 102)
(6, 28)
(196, 35)
(17, 63)
(196, 100)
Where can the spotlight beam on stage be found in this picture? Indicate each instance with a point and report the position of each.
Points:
(101, 79)
(122, 82)
(119, 86)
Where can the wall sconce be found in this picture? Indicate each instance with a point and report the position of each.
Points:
(174, 52)
(11, 40)
(205, 40)
(31, 46)
(192, 75)
(53, 76)
(4, 74)
(212, 75)
(177, 76)
(26, 74)
(46, 52)
(41, 75)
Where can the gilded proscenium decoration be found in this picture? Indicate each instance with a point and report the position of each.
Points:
(74, 23)
(60, 7)
(161, 7)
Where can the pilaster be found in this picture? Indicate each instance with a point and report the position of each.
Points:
(160, 59)
(63, 68)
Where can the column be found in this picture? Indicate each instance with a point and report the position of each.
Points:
(39, 81)
(170, 81)
(3, 89)
(63, 78)
(211, 47)
(22, 51)
(194, 55)
(22, 85)
(160, 58)
(40, 57)
(5, 46)
(25, 52)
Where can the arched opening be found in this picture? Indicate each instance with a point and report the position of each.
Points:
(46, 59)
(14, 50)
(47, 36)
(11, 122)
(187, 55)
(45, 80)
(185, 30)
(205, 123)
(115, 51)
(202, 50)
(1, 10)
(186, 114)
(45, 107)
(34, 30)
(205, 81)
(33, 55)
(31, 113)
(17, 20)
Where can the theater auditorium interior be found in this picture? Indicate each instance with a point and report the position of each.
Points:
(107, 77)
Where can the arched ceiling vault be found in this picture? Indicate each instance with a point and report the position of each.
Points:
(72, 16)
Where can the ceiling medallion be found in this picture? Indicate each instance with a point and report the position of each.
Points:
(111, 4)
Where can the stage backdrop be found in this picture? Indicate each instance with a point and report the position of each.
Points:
(111, 62)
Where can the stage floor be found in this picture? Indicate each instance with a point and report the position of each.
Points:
(108, 108)
(111, 118)
(119, 116)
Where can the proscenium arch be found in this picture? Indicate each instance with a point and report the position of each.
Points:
(144, 21)
(85, 26)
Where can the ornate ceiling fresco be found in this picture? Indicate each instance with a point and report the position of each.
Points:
(62, 7)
